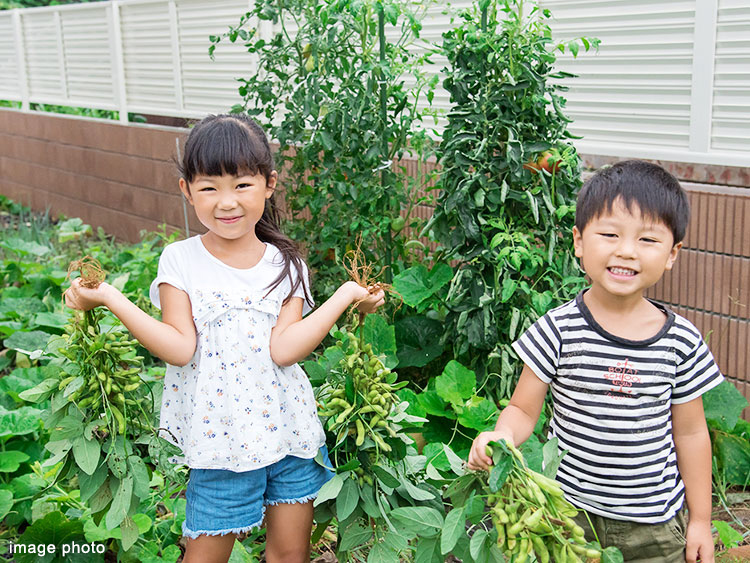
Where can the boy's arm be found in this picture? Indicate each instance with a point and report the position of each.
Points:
(172, 339)
(693, 447)
(516, 422)
(294, 338)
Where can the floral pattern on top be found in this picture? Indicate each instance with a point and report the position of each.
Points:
(231, 407)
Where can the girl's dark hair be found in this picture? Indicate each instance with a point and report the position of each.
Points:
(654, 191)
(235, 144)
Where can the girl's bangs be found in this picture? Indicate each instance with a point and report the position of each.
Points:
(226, 147)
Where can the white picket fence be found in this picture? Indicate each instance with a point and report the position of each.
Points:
(671, 80)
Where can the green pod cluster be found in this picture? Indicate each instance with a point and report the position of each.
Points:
(110, 369)
(534, 521)
(366, 414)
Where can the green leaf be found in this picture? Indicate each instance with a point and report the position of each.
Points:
(476, 545)
(416, 284)
(723, 406)
(380, 553)
(86, 453)
(41, 391)
(11, 460)
(141, 479)
(456, 383)
(129, 532)
(18, 422)
(382, 336)
(24, 247)
(431, 402)
(499, 473)
(354, 535)
(21, 379)
(27, 342)
(51, 320)
(347, 499)
(120, 502)
(480, 416)
(452, 530)
(416, 493)
(240, 554)
(89, 484)
(20, 307)
(330, 489)
(733, 453)
(415, 518)
(428, 551)
(551, 459)
(612, 555)
(54, 529)
(728, 535)
(386, 476)
(6, 502)
(419, 340)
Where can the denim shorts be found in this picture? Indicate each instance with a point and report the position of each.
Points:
(220, 501)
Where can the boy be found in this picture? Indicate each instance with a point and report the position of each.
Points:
(627, 376)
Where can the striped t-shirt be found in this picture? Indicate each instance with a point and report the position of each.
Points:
(612, 399)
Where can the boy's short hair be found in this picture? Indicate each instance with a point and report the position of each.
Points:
(652, 189)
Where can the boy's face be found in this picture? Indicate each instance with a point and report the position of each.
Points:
(623, 252)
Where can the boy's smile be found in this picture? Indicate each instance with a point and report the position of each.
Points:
(623, 252)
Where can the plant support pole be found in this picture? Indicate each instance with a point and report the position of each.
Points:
(384, 132)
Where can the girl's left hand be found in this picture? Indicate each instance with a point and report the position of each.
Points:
(366, 301)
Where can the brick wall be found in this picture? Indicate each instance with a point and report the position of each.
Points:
(122, 178)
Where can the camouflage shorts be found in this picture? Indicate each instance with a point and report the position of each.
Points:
(640, 543)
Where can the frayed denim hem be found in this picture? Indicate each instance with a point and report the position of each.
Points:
(193, 535)
(300, 500)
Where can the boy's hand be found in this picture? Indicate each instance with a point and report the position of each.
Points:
(365, 301)
(84, 298)
(700, 543)
(478, 458)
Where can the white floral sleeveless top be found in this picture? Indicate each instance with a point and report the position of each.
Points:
(231, 407)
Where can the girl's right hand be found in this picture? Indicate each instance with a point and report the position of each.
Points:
(478, 458)
(365, 301)
(84, 298)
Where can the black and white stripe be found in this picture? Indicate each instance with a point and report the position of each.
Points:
(612, 407)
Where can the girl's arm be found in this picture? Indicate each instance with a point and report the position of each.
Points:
(294, 338)
(516, 422)
(693, 446)
(172, 339)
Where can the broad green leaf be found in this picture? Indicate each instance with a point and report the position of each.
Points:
(139, 472)
(723, 406)
(499, 473)
(418, 339)
(413, 285)
(51, 320)
(386, 476)
(382, 554)
(120, 502)
(18, 422)
(612, 555)
(728, 535)
(41, 391)
(27, 341)
(476, 545)
(456, 384)
(331, 489)
(452, 530)
(149, 553)
(428, 551)
(240, 554)
(733, 453)
(417, 517)
(432, 403)
(347, 499)
(551, 458)
(55, 529)
(382, 336)
(22, 308)
(354, 535)
(129, 533)
(89, 484)
(86, 453)
(481, 416)
(415, 492)
(11, 460)
(532, 453)
(25, 247)
(6, 502)
(21, 379)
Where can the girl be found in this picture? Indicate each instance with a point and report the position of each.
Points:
(235, 401)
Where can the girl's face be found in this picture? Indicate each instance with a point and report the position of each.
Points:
(229, 206)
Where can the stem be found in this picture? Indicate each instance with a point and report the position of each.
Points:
(384, 132)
